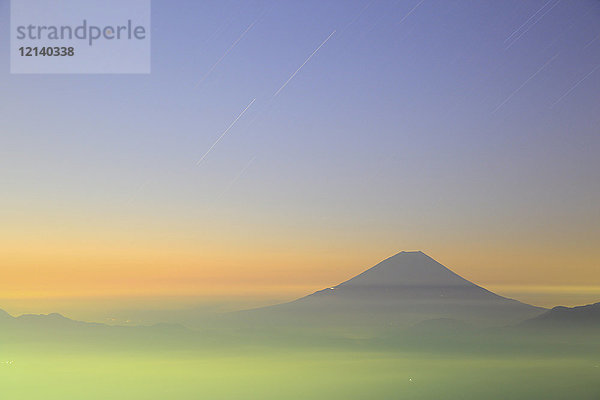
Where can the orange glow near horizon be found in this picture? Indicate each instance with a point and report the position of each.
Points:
(278, 266)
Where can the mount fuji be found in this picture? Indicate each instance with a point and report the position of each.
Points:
(402, 290)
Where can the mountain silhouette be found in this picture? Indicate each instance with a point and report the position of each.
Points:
(57, 329)
(4, 316)
(399, 292)
(43, 322)
(569, 318)
(405, 289)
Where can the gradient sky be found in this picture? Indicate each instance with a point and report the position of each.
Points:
(468, 130)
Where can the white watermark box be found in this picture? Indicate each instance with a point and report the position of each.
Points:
(80, 36)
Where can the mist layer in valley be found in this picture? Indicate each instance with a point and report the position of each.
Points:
(406, 328)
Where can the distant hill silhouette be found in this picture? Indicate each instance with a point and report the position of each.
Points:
(31, 325)
(402, 290)
(58, 329)
(567, 318)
